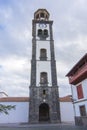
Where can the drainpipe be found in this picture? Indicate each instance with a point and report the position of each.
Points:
(73, 104)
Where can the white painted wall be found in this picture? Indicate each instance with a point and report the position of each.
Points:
(77, 111)
(42, 45)
(15, 116)
(67, 112)
(20, 115)
(75, 97)
(74, 92)
(43, 66)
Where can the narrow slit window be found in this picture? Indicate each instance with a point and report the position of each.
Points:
(44, 92)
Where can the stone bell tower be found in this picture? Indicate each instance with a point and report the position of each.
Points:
(44, 97)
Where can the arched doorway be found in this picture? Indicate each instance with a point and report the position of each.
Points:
(44, 112)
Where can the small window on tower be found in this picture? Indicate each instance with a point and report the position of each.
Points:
(43, 78)
(80, 91)
(37, 16)
(42, 15)
(46, 17)
(39, 32)
(44, 92)
(45, 32)
(43, 54)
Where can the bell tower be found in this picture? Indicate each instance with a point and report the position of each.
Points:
(44, 97)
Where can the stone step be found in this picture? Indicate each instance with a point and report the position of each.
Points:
(60, 127)
(42, 127)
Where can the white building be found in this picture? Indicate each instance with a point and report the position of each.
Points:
(3, 94)
(78, 80)
(67, 109)
(21, 113)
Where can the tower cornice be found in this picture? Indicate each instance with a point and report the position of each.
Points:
(42, 21)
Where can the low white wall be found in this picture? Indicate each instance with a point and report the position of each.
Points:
(19, 115)
(67, 112)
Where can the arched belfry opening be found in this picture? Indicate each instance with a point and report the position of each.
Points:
(44, 112)
(41, 14)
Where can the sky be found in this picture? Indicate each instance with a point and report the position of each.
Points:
(70, 41)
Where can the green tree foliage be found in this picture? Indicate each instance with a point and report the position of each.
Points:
(6, 108)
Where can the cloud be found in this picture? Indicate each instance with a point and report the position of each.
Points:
(15, 75)
(70, 38)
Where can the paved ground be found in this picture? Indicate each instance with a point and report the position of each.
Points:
(41, 127)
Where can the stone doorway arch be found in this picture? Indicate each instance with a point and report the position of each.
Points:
(44, 112)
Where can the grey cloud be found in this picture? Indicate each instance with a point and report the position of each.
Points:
(70, 24)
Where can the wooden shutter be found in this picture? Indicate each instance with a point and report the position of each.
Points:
(80, 91)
